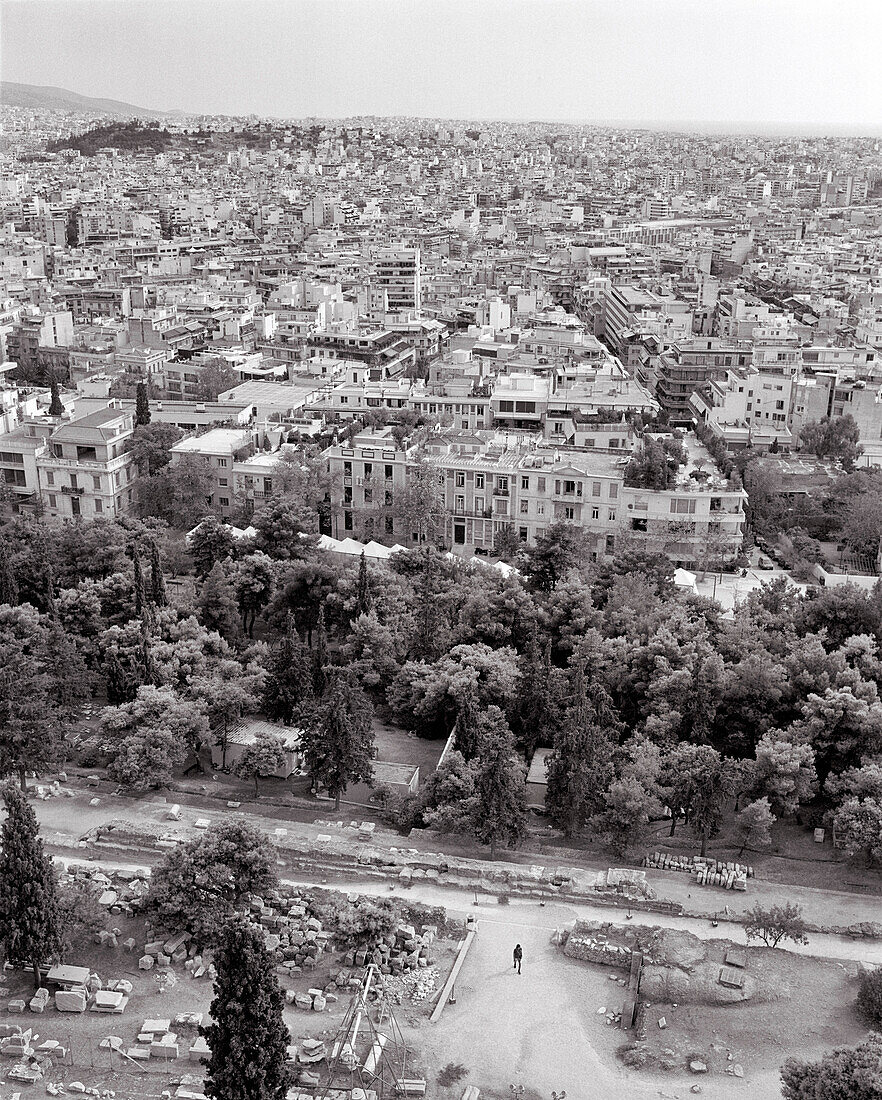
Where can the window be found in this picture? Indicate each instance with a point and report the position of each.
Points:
(540, 507)
(525, 483)
(347, 468)
(50, 478)
(221, 462)
(595, 513)
(506, 406)
(525, 507)
(368, 469)
(522, 534)
(369, 496)
(460, 479)
(502, 485)
(224, 502)
(479, 504)
(387, 498)
(683, 506)
(569, 487)
(99, 506)
(479, 481)
(779, 404)
(595, 488)
(638, 524)
(74, 481)
(221, 481)
(610, 544)
(589, 443)
(347, 494)
(502, 507)
(613, 490)
(459, 504)
(52, 503)
(96, 482)
(540, 484)
(612, 515)
(347, 521)
(387, 473)
(390, 525)
(569, 513)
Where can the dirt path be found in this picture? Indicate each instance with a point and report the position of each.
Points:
(64, 820)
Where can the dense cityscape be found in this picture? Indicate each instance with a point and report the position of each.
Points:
(440, 607)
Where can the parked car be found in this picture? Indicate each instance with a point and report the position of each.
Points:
(764, 563)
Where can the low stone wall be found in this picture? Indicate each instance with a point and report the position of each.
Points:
(707, 872)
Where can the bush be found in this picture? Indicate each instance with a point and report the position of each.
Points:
(869, 998)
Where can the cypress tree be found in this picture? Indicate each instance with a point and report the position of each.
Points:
(289, 680)
(247, 1038)
(55, 406)
(338, 737)
(363, 598)
(142, 405)
(157, 580)
(30, 917)
(500, 790)
(320, 659)
(8, 583)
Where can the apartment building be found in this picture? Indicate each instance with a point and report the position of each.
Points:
(687, 364)
(398, 274)
(220, 449)
(85, 469)
(32, 335)
(487, 481)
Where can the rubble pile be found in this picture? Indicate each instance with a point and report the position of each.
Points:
(596, 948)
(123, 891)
(708, 872)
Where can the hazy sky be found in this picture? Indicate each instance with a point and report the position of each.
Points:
(755, 61)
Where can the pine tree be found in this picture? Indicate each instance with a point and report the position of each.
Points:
(337, 736)
(142, 405)
(247, 1038)
(157, 580)
(500, 810)
(30, 920)
(289, 680)
(363, 599)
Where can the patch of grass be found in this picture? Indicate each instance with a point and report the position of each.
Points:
(452, 1073)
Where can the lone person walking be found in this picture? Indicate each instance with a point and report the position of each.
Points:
(517, 955)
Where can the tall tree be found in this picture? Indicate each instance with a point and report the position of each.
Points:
(216, 603)
(142, 405)
(253, 579)
(363, 599)
(560, 548)
(247, 1037)
(157, 579)
(499, 809)
(320, 658)
(56, 408)
(580, 765)
(539, 698)
(289, 677)
(337, 736)
(8, 583)
(753, 825)
(209, 542)
(30, 919)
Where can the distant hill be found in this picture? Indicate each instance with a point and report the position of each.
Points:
(60, 99)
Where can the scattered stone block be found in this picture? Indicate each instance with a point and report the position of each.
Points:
(70, 1000)
(697, 1066)
(174, 813)
(146, 962)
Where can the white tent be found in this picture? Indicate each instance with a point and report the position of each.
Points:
(684, 579)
